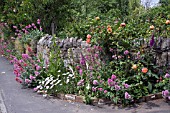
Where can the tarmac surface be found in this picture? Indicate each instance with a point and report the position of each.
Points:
(14, 99)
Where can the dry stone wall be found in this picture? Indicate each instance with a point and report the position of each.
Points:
(71, 48)
(161, 51)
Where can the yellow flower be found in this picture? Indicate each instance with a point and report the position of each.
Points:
(134, 66)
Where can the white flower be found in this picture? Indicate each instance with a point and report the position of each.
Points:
(70, 75)
(51, 86)
(47, 82)
(47, 87)
(41, 87)
(44, 95)
(43, 82)
(59, 71)
(67, 80)
(47, 78)
(58, 82)
(88, 86)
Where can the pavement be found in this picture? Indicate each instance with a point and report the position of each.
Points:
(14, 99)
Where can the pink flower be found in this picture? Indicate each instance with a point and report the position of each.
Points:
(117, 87)
(32, 77)
(8, 50)
(167, 75)
(100, 89)
(165, 93)
(111, 82)
(169, 98)
(95, 82)
(27, 81)
(29, 26)
(38, 21)
(36, 73)
(126, 52)
(81, 82)
(80, 71)
(113, 77)
(94, 89)
(40, 28)
(88, 36)
(33, 24)
(15, 27)
(38, 67)
(105, 91)
(77, 67)
(25, 56)
(35, 89)
(96, 55)
(126, 86)
(127, 96)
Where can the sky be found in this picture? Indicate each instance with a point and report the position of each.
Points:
(153, 2)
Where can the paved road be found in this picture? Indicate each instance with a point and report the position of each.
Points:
(14, 99)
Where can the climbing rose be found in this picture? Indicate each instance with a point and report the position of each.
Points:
(144, 70)
(88, 36)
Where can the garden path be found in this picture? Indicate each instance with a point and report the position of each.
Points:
(14, 99)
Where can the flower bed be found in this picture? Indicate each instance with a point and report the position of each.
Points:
(122, 71)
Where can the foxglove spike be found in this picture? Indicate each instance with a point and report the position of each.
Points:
(152, 41)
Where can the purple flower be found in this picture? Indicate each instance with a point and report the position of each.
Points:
(152, 41)
(111, 50)
(113, 77)
(165, 93)
(94, 89)
(169, 98)
(82, 61)
(96, 55)
(8, 50)
(32, 77)
(100, 89)
(80, 71)
(29, 26)
(38, 67)
(126, 86)
(95, 82)
(126, 52)
(117, 87)
(111, 82)
(105, 91)
(81, 82)
(25, 56)
(167, 75)
(127, 96)
(36, 73)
